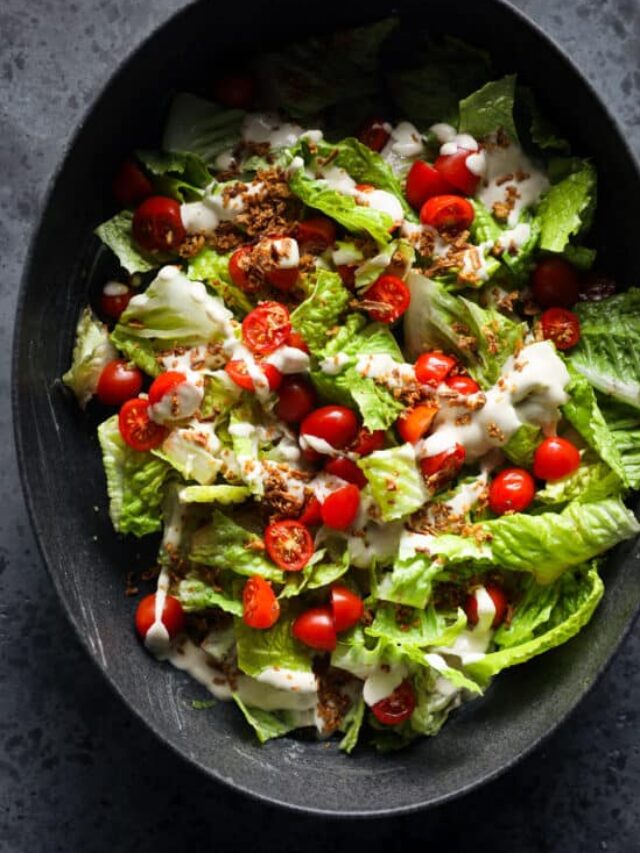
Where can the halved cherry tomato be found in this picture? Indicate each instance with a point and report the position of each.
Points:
(347, 273)
(283, 279)
(462, 384)
(165, 384)
(432, 368)
(347, 607)
(172, 616)
(157, 224)
(238, 265)
(136, 427)
(266, 328)
(397, 707)
(296, 398)
(289, 544)
(387, 299)
(237, 370)
(555, 458)
(423, 182)
(415, 422)
(118, 382)
(500, 604)
(114, 299)
(454, 169)
(236, 91)
(368, 441)
(131, 185)
(315, 629)
(311, 514)
(555, 282)
(447, 463)
(337, 425)
(561, 326)
(296, 340)
(260, 608)
(340, 508)
(374, 134)
(316, 233)
(347, 470)
(447, 213)
(511, 491)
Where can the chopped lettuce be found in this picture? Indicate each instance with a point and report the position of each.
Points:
(416, 627)
(522, 445)
(490, 109)
(352, 724)
(180, 175)
(396, 482)
(260, 649)
(137, 350)
(321, 310)
(213, 269)
(371, 269)
(566, 208)
(220, 394)
(624, 423)
(201, 127)
(195, 595)
(410, 582)
(116, 234)
(591, 482)
(267, 724)
(193, 451)
(433, 706)
(321, 570)
(92, 351)
(221, 494)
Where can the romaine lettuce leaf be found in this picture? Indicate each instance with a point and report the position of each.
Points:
(137, 350)
(522, 445)
(417, 627)
(221, 494)
(195, 594)
(260, 649)
(267, 724)
(433, 706)
(490, 109)
(193, 451)
(566, 208)
(396, 482)
(116, 234)
(409, 582)
(591, 482)
(371, 269)
(321, 310)
(92, 351)
(179, 175)
(220, 394)
(322, 570)
(624, 423)
(213, 269)
(352, 724)
(201, 127)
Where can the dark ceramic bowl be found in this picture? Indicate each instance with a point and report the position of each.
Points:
(61, 467)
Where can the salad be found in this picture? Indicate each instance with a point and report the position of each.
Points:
(362, 377)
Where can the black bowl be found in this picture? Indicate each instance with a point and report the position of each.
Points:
(60, 462)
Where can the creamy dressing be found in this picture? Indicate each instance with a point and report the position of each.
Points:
(288, 679)
(405, 142)
(515, 238)
(374, 542)
(458, 141)
(382, 681)
(157, 639)
(472, 643)
(339, 180)
(289, 359)
(346, 254)
(180, 403)
(334, 364)
(268, 127)
(115, 288)
(505, 170)
(385, 369)
(196, 450)
(269, 698)
(314, 442)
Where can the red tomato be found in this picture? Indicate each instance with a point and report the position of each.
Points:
(347, 273)
(335, 424)
(500, 604)
(367, 442)
(296, 398)
(511, 491)
(172, 616)
(462, 384)
(266, 328)
(346, 606)
(555, 283)
(447, 213)
(236, 91)
(118, 382)
(131, 185)
(114, 299)
(432, 368)
(340, 508)
(296, 340)
(260, 608)
(283, 279)
(555, 458)
(347, 470)
(397, 707)
(165, 384)
(561, 326)
(453, 168)
(423, 182)
(316, 234)
(387, 299)
(238, 265)
(315, 628)
(414, 423)
(237, 370)
(374, 134)
(289, 544)
(448, 462)
(157, 224)
(136, 427)
(311, 514)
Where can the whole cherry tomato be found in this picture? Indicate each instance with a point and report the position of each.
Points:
(447, 213)
(237, 370)
(315, 628)
(118, 382)
(387, 299)
(114, 299)
(423, 182)
(347, 607)
(397, 707)
(500, 604)
(336, 425)
(172, 616)
(414, 423)
(131, 185)
(432, 368)
(260, 608)
(511, 491)
(266, 328)
(340, 508)
(289, 544)
(136, 427)
(164, 384)
(157, 224)
(296, 398)
(555, 458)
(555, 283)
(312, 512)
(347, 470)
(561, 326)
(454, 169)
(462, 384)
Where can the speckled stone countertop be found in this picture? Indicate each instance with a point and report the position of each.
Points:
(77, 771)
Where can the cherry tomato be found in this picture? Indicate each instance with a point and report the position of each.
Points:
(368, 441)
(340, 508)
(500, 604)
(387, 299)
(238, 265)
(449, 462)
(165, 384)
(561, 326)
(347, 273)
(346, 606)
(172, 616)
(289, 544)
(114, 299)
(136, 427)
(236, 91)
(555, 283)
(311, 514)
(315, 628)
(397, 707)
(296, 398)
(237, 370)
(462, 384)
(347, 470)
(260, 608)
(374, 134)
(415, 422)
(454, 169)
(511, 491)
(337, 425)
(118, 382)
(597, 286)
(423, 182)
(266, 328)
(296, 340)
(432, 368)
(555, 458)
(447, 213)
(157, 224)
(283, 279)
(316, 234)
(131, 185)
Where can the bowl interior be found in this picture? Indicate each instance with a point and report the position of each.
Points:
(60, 460)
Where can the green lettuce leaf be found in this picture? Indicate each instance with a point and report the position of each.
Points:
(490, 109)
(591, 482)
(267, 724)
(260, 649)
(116, 234)
(624, 423)
(222, 494)
(213, 269)
(92, 351)
(371, 269)
(201, 127)
(541, 131)
(567, 208)
(137, 350)
(321, 310)
(220, 394)
(522, 445)
(179, 175)
(396, 482)
(352, 724)
(417, 627)
(323, 569)
(194, 458)
(432, 705)
(410, 581)
(196, 595)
